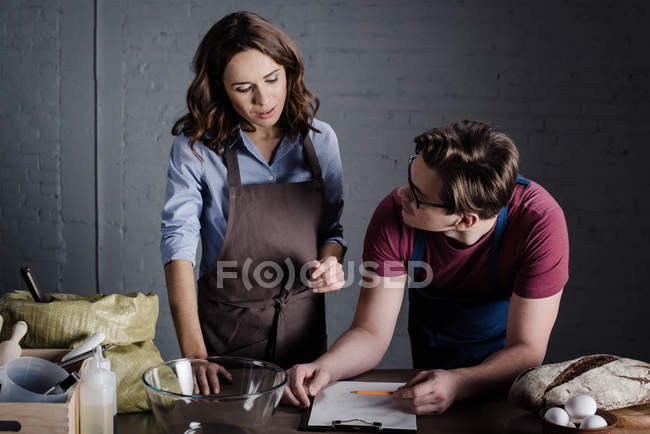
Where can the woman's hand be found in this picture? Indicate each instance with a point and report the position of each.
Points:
(304, 381)
(429, 391)
(326, 275)
(206, 377)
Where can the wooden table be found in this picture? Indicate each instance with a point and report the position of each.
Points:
(487, 414)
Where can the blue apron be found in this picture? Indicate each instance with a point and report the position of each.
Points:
(455, 332)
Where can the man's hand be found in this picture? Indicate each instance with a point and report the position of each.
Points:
(429, 391)
(304, 381)
(326, 275)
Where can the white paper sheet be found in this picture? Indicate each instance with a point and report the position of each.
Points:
(336, 402)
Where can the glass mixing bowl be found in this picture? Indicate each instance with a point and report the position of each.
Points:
(244, 404)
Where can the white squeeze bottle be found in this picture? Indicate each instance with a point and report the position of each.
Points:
(105, 363)
(96, 398)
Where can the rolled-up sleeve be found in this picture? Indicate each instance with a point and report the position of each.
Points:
(330, 158)
(180, 223)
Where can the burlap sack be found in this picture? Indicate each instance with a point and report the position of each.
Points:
(128, 321)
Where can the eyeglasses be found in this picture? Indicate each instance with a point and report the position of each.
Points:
(419, 202)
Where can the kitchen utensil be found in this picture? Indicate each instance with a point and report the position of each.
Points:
(64, 384)
(26, 379)
(89, 344)
(42, 417)
(244, 405)
(32, 285)
(83, 356)
(10, 349)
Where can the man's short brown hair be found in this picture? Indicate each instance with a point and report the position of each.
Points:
(477, 165)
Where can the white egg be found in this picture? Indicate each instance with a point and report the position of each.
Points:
(594, 421)
(570, 424)
(557, 416)
(580, 406)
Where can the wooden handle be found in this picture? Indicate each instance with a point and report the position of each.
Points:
(32, 285)
(18, 332)
(87, 345)
(1, 321)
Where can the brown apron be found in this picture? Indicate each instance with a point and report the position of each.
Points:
(266, 312)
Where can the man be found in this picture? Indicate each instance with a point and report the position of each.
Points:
(489, 250)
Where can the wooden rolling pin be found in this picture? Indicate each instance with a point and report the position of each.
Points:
(10, 349)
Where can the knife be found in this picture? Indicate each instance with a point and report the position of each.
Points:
(32, 285)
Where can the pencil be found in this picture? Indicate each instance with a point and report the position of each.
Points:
(372, 392)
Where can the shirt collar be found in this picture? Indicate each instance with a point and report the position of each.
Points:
(285, 145)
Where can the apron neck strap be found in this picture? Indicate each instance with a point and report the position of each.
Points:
(499, 230)
(522, 180)
(310, 153)
(232, 164)
(418, 247)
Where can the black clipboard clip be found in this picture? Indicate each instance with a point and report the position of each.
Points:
(343, 425)
(338, 425)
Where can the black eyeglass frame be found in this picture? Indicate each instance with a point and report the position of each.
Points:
(419, 202)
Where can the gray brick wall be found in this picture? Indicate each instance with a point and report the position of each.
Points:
(30, 156)
(569, 81)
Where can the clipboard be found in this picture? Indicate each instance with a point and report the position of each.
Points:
(349, 424)
(344, 426)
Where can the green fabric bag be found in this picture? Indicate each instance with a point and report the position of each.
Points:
(128, 321)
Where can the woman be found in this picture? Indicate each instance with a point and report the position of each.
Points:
(260, 180)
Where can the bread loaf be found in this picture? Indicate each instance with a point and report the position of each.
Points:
(614, 382)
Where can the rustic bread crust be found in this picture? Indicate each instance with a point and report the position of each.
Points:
(614, 382)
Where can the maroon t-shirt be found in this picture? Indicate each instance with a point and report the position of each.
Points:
(533, 259)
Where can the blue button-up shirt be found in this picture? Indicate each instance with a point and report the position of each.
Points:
(196, 202)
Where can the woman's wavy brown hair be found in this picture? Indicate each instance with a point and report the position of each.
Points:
(211, 117)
